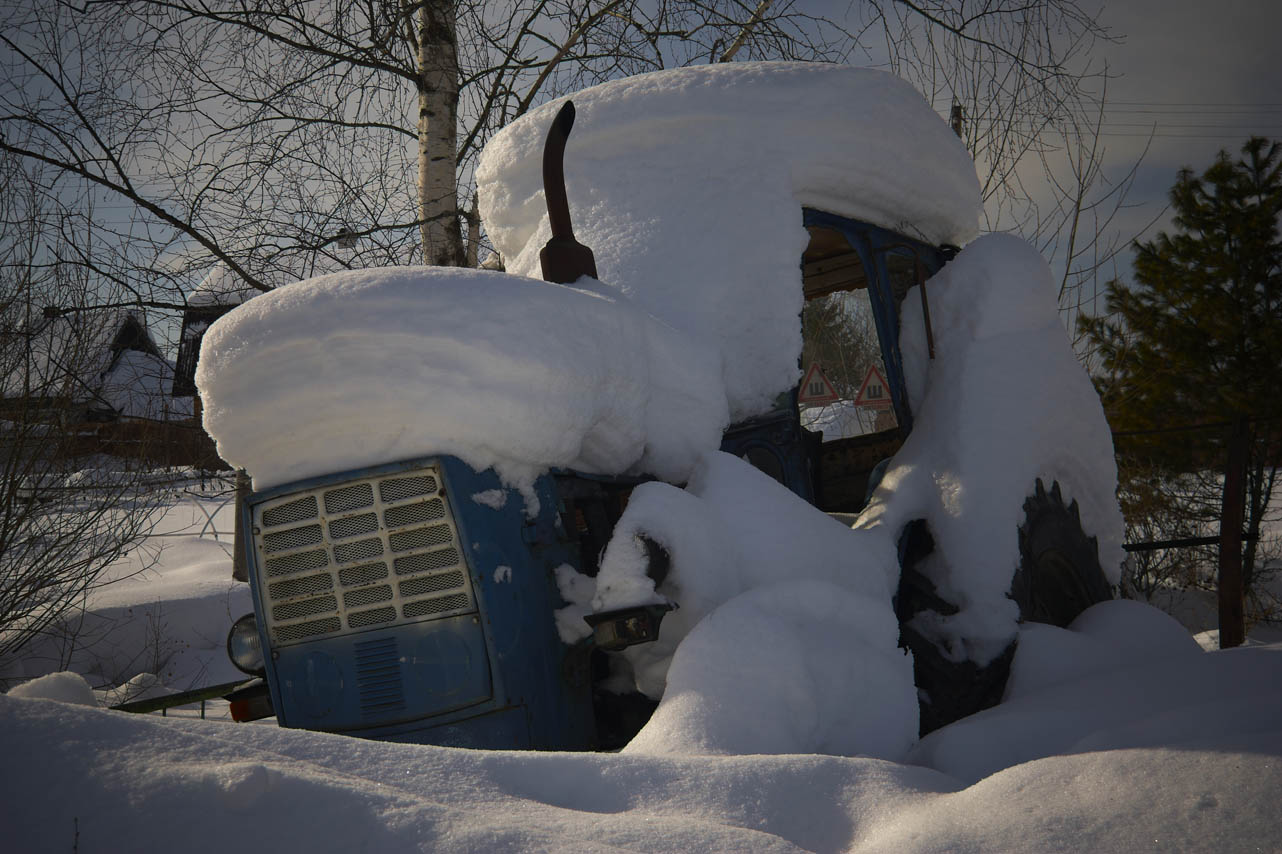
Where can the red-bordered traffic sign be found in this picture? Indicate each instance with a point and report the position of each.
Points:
(815, 387)
(875, 392)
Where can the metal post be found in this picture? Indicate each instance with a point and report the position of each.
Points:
(239, 571)
(1232, 619)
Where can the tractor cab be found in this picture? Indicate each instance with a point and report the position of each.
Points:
(850, 412)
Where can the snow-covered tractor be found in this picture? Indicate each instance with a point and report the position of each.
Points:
(498, 511)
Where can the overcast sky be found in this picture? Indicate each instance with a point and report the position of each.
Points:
(1202, 75)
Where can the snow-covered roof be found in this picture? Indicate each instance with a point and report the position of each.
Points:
(221, 287)
(138, 385)
(105, 358)
(688, 186)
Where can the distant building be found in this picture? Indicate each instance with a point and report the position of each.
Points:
(98, 384)
(91, 366)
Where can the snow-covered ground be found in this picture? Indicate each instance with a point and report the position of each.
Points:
(1117, 735)
(161, 611)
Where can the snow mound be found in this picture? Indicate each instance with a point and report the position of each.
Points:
(1004, 403)
(793, 667)
(1105, 638)
(366, 367)
(688, 185)
(143, 686)
(784, 630)
(159, 782)
(65, 687)
(1072, 691)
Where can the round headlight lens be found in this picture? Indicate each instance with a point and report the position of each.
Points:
(243, 646)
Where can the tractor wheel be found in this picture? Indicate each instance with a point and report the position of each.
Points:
(1059, 574)
(947, 690)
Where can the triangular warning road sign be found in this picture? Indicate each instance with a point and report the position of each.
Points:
(815, 388)
(875, 392)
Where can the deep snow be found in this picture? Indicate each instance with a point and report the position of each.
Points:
(1152, 756)
(371, 366)
(1118, 735)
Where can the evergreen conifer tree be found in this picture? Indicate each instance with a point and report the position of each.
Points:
(1197, 339)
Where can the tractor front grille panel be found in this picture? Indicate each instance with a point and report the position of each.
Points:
(372, 553)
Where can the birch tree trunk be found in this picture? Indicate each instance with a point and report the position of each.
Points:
(438, 97)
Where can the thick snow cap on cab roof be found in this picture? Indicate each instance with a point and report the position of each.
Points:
(688, 186)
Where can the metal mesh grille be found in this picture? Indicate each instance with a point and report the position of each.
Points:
(421, 538)
(362, 550)
(353, 526)
(301, 631)
(426, 562)
(350, 576)
(431, 584)
(404, 524)
(305, 608)
(301, 586)
(445, 604)
(290, 564)
(347, 498)
(371, 618)
(294, 511)
(292, 539)
(401, 488)
(409, 514)
(367, 596)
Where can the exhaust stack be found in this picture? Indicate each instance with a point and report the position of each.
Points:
(563, 258)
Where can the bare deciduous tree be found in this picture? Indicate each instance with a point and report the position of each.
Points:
(63, 518)
(289, 137)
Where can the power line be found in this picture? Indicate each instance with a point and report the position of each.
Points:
(1188, 126)
(1175, 135)
(1205, 112)
(1193, 104)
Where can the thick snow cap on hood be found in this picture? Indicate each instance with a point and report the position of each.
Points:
(688, 186)
(370, 366)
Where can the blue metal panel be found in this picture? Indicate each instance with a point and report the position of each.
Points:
(514, 556)
(377, 678)
(778, 436)
(499, 729)
(499, 677)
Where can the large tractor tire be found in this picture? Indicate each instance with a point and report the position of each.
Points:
(947, 690)
(1059, 576)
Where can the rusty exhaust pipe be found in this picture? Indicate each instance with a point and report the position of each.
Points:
(563, 259)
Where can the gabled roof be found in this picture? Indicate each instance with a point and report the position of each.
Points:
(105, 358)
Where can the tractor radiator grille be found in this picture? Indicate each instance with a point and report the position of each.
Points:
(371, 553)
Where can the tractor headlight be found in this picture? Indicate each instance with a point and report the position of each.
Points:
(244, 647)
(620, 629)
